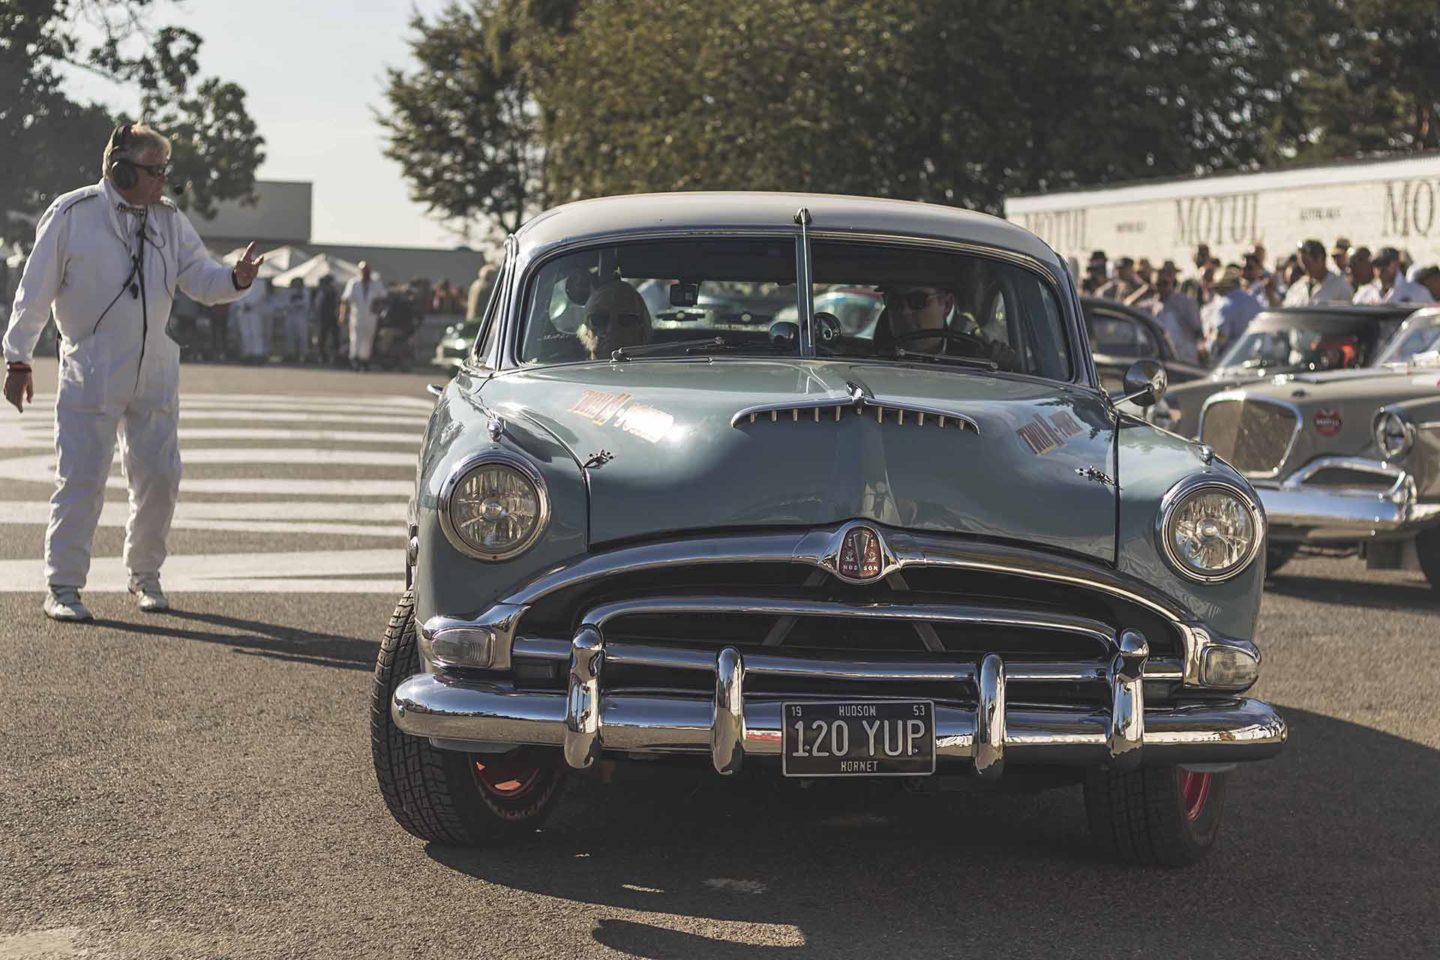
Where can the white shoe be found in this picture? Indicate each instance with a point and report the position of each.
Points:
(64, 604)
(148, 595)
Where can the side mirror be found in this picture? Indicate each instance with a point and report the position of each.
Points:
(1144, 383)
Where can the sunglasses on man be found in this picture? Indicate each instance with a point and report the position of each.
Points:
(157, 170)
(910, 299)
(600, 320)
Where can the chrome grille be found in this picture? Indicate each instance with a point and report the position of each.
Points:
(1253, 435)
(786, 609)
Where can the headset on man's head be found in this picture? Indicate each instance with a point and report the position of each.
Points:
(121, 169)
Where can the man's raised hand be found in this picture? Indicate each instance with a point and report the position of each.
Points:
(248, 268)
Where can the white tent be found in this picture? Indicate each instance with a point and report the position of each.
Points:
(318, 266)
(277, 261)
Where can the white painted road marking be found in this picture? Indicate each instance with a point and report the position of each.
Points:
(319, 433)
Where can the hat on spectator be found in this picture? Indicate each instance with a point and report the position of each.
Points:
(1386, 255)
(1341, 245)
(1229, 278)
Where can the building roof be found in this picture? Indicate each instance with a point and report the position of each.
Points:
(739, 210)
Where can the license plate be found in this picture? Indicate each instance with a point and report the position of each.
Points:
(879, 738)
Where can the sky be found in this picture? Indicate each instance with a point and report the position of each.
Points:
(313, 72)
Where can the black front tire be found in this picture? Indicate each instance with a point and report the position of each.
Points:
(1277, 555)
(1427, 549)
(445, 796)
(1145, 816)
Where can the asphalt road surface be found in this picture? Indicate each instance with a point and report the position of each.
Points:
(198, 784)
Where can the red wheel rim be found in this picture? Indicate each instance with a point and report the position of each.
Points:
(507, 778)
(1195, 789)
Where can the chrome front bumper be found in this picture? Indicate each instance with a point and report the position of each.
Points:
(978, 726)
(1301, 511)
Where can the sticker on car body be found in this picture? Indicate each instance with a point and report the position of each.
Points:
(1328, 422)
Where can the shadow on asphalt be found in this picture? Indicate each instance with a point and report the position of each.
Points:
(1417, 598)
(1328, 850)
(257, 638)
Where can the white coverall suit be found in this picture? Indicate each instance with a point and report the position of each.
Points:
(112, 293)
(251, 317)
(363, 299)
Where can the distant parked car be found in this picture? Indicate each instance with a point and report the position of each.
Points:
(1120, 335)
(1348, 458)
(1290, 340)
(454, 345)
(857, 310)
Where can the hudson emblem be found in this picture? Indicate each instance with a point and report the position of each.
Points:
(860, 557)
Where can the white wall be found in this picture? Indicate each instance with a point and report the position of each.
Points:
(1391, 203)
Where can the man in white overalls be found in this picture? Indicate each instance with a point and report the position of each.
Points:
(108, 258)
(361, 304)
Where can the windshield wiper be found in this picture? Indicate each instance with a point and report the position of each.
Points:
(644, 349)
(976, 362)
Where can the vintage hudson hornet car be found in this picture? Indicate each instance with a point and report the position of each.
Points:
(660, 514)
(1345, 459)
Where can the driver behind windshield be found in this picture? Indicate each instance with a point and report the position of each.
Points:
(615, 317)
(912, 310)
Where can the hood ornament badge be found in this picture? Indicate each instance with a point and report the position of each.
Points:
(857, 553)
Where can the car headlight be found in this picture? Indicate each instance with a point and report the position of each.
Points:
(1394, 435)
(1210, 531)
(494, 506)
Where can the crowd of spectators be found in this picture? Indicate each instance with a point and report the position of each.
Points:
(1208, 306)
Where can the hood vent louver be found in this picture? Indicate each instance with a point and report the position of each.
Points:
(861, 403)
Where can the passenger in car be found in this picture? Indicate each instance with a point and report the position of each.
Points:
(615, 317)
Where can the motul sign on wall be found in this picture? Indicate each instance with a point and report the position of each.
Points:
(1384, 203)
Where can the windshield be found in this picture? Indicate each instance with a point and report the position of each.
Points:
(1420, 335)
(1306, 348)
(737, 297)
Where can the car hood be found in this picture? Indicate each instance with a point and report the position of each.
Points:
(671, 450)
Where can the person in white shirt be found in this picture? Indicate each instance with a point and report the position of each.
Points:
(108, 259)
(1178, 315)
(1390, 285)
(251, 317)
(1319, 284)
(360, 303)
(296, 314)
(1230, 313)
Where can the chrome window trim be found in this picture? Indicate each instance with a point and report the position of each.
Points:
(1194, 484)
(452, 481)
(1243, 396)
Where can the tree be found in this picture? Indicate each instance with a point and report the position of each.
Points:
(463, 124)
(54, 144)
(1373, 86)
(950, 102)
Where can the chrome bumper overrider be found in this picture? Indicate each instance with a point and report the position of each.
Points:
(978, 726)
(1298, 510)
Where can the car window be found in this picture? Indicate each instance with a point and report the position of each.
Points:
(663, 298)
(1308, 347)
(1416, 337)
(736, 297)
(937, 305)
(490, 320)
(1114, 336)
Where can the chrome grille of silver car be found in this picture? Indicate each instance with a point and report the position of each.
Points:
(1253, 435)
(656, 622)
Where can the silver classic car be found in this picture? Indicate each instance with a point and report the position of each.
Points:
(669, 509)
(1346, 459)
